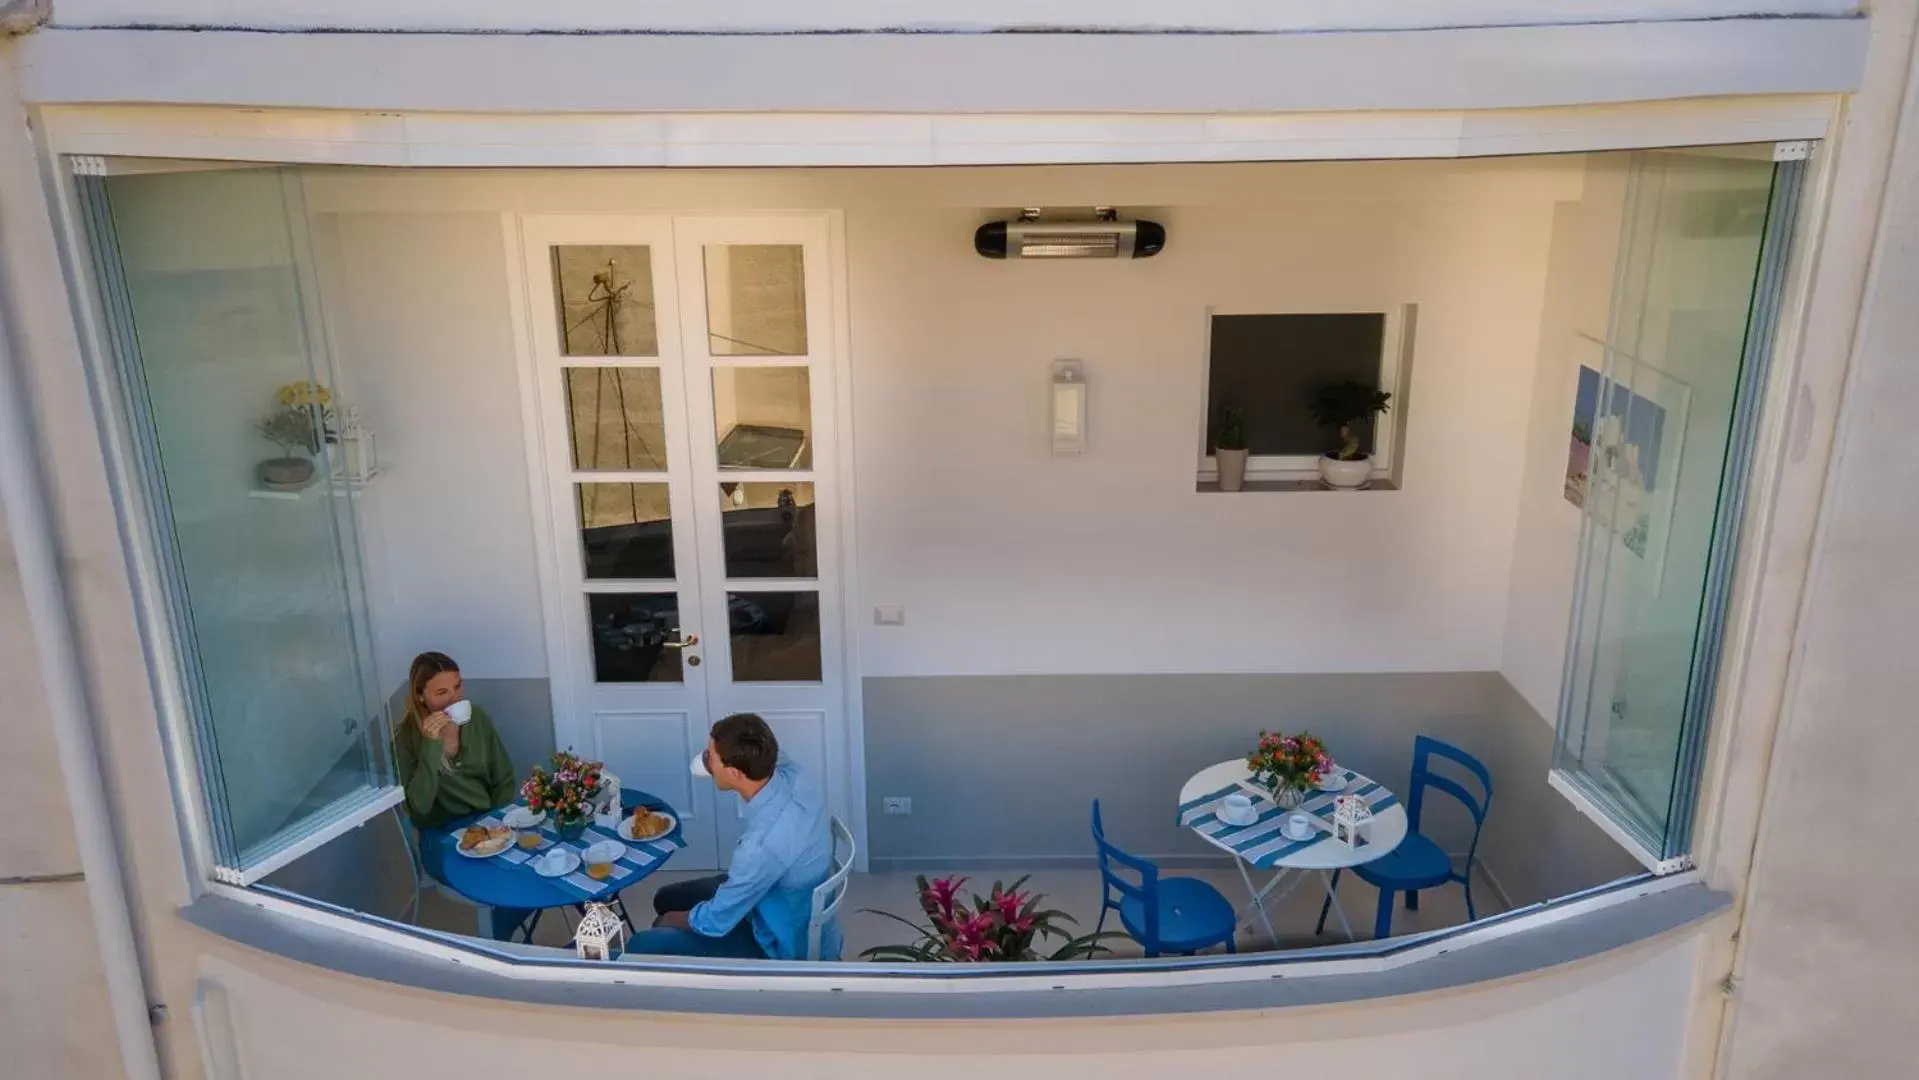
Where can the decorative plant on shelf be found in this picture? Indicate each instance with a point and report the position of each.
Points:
(1229, 448)
(1006, 925)
(296, 431)
(1339, 406)
(568, 789)
(1289, 765)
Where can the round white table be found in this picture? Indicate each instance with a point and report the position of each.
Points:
(1386, 831)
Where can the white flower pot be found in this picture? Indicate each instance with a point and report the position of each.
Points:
(1345, 475)
(1232, 469)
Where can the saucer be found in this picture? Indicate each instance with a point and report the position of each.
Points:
(1242, 817)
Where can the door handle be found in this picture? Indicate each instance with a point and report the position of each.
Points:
(686, 642)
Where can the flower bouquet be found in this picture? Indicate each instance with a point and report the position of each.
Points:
(568, 789)
(1004, 926)
(1289, 765)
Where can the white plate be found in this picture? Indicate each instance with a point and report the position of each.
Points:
(1332, 781)
(626, 827)
(604, 851)
(520, 817)
(484, 851)
(544, 868)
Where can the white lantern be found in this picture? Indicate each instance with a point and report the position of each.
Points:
(1352, 820)
(358, 462)
(601, 935)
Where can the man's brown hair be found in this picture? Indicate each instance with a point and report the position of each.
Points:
(745, 742)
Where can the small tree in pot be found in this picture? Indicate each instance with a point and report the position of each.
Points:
(1229, 449)
(1340, 406)
(296, 431)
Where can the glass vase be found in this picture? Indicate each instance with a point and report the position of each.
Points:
(1287, 797)
(570, 828)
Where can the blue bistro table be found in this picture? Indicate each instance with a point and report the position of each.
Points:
(508, 880)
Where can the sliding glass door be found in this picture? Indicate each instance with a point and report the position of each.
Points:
(1665, 422)
(207, 300)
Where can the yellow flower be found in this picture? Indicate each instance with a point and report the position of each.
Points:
(305, 393)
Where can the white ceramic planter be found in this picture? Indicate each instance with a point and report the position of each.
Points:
(1232, 469)
(1345, 475)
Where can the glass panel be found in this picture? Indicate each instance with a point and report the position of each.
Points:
(617, 419)
(626, 531)
(768, 530)
(202, 292)
(605, 296)
(1653, 419)
(776, 636)
(764, 417)
(756, 300)
(630, 632)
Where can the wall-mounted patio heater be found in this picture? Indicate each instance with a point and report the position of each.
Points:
(1035, 235)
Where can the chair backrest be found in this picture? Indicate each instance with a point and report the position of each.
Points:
(1111, 861)
(829, 893)
(1425, 749)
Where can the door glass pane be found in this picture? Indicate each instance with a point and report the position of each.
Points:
(230, 410)
(1654, 416)
(605, 296)
(764, 417)
(616, 419)
(768, 530)
(626, 531)
(776, 636)
(756, 300)
(631, 632)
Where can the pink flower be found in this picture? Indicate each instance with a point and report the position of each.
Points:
(944, 892)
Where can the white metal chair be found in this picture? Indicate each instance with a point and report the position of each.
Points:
(828, 895)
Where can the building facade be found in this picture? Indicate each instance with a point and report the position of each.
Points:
(1473, 173)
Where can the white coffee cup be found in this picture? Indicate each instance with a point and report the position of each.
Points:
(460, 711)
(1299, 827)
(554, 859)
(1238, 808)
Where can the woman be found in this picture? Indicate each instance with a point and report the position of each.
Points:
(449, 770)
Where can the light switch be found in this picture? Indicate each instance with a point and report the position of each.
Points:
(889, 615)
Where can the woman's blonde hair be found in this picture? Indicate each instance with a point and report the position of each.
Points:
(425, 667)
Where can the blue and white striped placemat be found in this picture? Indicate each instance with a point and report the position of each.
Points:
(640, 854)
(1263, 843)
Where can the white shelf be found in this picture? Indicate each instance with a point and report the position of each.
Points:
(338, 489)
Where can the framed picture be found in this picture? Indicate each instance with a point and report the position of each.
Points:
(1622, 460)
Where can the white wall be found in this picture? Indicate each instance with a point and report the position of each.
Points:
(1619, 1016)
(764, 15)
(1585, 245)
(425, 346)
(1008, 560)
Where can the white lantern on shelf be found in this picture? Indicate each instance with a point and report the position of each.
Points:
(1352, 820)
(601, 935)
(357, 462)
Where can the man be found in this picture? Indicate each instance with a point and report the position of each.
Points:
(760, 907)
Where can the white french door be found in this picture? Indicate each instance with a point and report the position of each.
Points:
(684, 371)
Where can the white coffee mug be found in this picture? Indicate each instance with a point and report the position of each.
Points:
(460, 711)
(1238, 808)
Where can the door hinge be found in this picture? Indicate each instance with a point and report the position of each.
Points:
(157, 1013)
(1792, 151)
(1728, 986)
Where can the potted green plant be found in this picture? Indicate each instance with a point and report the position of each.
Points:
(1229, 448)
(1340, 406)
(295, 429)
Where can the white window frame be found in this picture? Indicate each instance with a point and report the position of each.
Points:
(1388, 437)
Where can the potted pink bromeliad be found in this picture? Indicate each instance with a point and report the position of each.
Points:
(1007, 925)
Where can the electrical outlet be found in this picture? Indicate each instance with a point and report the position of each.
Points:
(897, 804)
(889, 615)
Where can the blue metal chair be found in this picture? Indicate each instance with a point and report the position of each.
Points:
(1419, 863)
(1164, 914)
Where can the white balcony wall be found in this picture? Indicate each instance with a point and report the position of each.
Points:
(771, 16)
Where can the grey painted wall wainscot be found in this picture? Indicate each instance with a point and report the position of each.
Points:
(368, 869)
(1002, 771)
